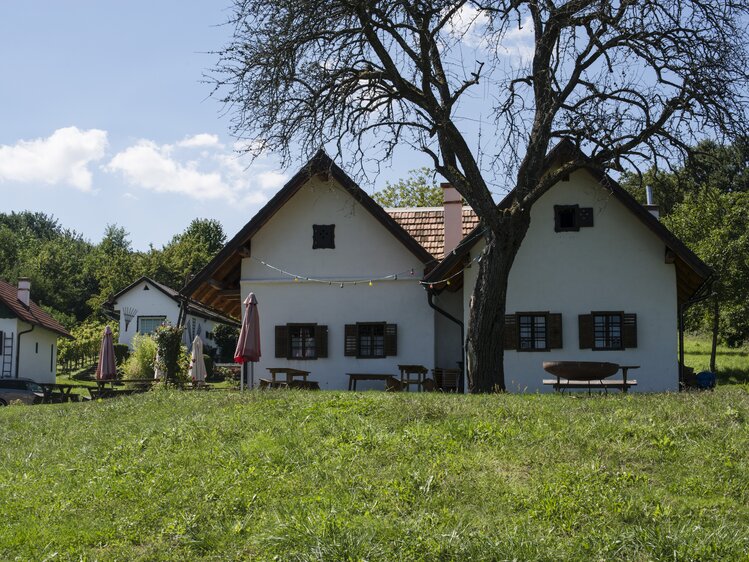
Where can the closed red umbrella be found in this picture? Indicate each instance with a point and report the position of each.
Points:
(248, 344)
(106, 368)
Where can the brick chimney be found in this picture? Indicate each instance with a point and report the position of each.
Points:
(453, 203)
(24, 290)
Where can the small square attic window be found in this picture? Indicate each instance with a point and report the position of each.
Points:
(323, 236)
(570, 218)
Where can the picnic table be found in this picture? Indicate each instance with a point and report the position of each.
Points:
(353, 377)
(106, 388)
(58, 393)
(288, 380)
(588, 374)
(288, 372)
(413, 374)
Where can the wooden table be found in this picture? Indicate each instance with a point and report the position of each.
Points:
(290, 373)
(560, 383)
(59, 393)
(407, 375)
(353, 377)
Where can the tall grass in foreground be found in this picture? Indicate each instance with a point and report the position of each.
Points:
(377, 476)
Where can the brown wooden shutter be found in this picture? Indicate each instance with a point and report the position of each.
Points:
(629, 331)
(321, 341)
(555, 331)
(351, 343)
(511, 332)
(282, 341)
(391, 339)
(585, 325)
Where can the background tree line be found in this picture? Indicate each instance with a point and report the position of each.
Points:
(73, 277)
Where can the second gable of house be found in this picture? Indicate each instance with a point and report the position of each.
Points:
(324, 232)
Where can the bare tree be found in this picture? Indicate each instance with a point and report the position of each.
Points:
(628, 82)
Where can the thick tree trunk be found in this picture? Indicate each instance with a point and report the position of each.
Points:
(716, 323)
(484, 341)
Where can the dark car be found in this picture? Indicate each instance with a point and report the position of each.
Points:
(25, 390)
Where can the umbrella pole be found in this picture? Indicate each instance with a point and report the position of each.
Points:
(252, 375)
(241, 378)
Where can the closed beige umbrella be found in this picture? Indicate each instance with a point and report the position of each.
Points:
(197, 362)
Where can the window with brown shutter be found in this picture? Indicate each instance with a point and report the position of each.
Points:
(370, 340)
(511, 335)
(533, 331)
(302, 341)
(607, 331)
(571, 218)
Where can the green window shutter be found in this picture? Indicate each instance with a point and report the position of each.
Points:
(351, 341)
(629, 330)
(511, 332)
(321, 341)
(555, 331)
(585, 326)
(391, 339)
(282, 341)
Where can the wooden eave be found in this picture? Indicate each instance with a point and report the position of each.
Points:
(691, 271)
(217, 285)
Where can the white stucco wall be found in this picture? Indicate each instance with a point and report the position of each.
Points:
(38, 354)
(618, 264)
(363, 249)
(448, 348)
(152, 302)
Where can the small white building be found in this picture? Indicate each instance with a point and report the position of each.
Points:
(345, 286)
(145, 304)
(28, 335)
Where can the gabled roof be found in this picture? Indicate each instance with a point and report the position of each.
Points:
(33, 314)
(217, 284)
(691, 271)
(193, 308)
(427, 225)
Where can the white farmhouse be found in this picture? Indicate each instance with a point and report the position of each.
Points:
(597, 278)
(341, 288)
(145, 304)
(28, 335)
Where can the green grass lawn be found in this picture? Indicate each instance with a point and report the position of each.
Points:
(732, 364)
(288, 475)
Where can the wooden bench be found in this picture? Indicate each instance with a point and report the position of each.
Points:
(587, 377)
(267, 383)
(354, 377)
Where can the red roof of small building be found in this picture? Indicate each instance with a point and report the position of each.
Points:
(33, 314)
(427, 225)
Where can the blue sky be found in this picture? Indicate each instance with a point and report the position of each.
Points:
(104, 119)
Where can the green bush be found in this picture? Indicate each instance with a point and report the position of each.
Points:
(226, 339)
(173, 356)
(121, 353)
(140, 364)
(208, 366)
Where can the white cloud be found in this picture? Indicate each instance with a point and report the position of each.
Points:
(201, 140)
(213, 173)
(470, 25)
(62, 158)
(271, 180)
(151, 166)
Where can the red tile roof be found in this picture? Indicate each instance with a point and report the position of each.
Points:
(33, 314)
(427, 225)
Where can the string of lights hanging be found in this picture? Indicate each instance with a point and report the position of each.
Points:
(407, 274)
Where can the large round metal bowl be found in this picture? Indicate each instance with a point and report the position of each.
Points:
(581, 370)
